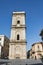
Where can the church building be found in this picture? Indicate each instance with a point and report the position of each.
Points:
(17, 45)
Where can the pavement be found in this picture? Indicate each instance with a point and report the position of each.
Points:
(21, 62)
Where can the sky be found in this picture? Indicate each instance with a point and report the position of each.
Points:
(34, 18)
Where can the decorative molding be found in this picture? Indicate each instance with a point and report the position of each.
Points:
(21, 26)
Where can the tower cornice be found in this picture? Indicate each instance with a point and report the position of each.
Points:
(21, 26)
(17, 13)
(21, 41)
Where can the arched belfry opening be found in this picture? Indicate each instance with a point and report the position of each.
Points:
(18, 22)
(18, 37)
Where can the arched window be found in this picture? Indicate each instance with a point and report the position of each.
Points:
(18, 37)
(38, 47)
(18, 22)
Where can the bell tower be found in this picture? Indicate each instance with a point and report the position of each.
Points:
(17, 45)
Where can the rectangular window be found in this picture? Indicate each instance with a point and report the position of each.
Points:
(0, 39)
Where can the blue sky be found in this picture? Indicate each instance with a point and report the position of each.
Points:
(34, 18)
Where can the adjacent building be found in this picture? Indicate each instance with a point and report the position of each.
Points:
(4, 46)
(17, 45)
(36, 51)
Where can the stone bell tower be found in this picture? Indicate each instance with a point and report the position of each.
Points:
(17, 45)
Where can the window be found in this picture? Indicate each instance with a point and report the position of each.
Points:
(17, 37)
(38, 47)
(33, 52)
(35, 57)
(18, 22)
(0, 38)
